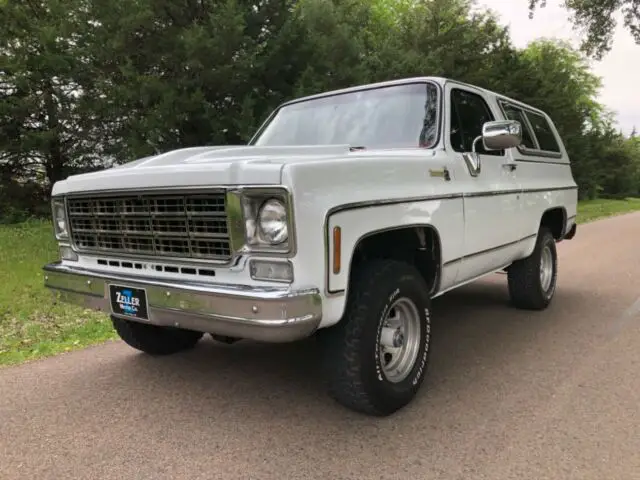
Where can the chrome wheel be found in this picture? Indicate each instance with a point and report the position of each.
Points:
(400, 340)
(546, 268)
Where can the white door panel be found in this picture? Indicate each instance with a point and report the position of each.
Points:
(492, 199)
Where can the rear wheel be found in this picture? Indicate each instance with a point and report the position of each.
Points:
(377, 355)
(532, 280)
(153, 339)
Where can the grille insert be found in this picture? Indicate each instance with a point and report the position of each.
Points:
(182, 226)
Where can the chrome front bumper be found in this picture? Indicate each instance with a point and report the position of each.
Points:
(269, 314)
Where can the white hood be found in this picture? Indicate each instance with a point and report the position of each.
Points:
(200, 166)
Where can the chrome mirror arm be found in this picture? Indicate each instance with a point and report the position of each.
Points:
(472, 159)
(475, 141)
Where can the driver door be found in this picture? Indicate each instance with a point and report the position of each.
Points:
(492, 198)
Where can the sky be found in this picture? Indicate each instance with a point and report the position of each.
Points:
(619, 69)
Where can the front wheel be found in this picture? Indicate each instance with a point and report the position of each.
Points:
(153, 339)
(377, 355)
(532, 280)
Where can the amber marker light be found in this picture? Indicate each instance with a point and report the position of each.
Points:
(336, 249)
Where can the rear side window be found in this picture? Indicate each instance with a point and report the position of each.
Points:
(543, 132)
(516, 114)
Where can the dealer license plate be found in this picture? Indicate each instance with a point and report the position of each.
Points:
(129, 302)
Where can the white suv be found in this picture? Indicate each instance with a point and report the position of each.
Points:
(346, 214)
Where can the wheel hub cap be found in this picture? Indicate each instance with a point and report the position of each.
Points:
(546, 268)
(400, 340)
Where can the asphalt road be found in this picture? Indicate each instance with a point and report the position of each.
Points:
(509, 395)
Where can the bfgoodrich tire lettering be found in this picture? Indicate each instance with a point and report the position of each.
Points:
(529, 287)
(354, 366)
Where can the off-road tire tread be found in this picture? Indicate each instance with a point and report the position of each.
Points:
(523, 276)
(343, 368)
(155, 340)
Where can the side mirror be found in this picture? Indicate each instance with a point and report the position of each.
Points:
(501, 134)
(496, 135)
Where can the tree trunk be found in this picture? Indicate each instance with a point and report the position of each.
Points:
(55, 157)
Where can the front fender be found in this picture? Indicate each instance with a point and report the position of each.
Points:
(358, 222)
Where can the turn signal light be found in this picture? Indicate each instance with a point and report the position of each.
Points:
(337, 244)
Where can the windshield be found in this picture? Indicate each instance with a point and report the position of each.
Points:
(394, 116)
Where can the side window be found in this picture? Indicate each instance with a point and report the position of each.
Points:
(543, 132)
(514, 113)
(429, 130)
(469, 112)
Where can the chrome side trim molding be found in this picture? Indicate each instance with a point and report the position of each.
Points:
(447, 196)
(488, 250)
(516, 191)
(544, 162)
(470, 280)
(389, 201)
(401, 200)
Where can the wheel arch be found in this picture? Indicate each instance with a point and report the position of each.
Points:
(555, 218)
(424, 250)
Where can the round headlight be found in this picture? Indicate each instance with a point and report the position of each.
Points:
(272, 222)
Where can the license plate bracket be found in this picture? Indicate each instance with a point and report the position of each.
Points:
(129, 302)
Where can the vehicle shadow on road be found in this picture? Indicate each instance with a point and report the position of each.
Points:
(476, 333)
(247, 402)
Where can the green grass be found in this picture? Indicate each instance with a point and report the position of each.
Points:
(31, 325)
(590, 210)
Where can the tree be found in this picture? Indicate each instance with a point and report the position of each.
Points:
(85, 82)
(554, 77)
(47, 125)
(596, 18)
(176, 73)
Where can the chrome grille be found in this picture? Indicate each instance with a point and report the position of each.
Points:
(182, 226)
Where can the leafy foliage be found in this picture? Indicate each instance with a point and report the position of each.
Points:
(86, 83)
(46, 91)
(596, 18)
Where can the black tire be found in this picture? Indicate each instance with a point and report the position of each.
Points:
(353, 366)
(153, 339)
(525, 286)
